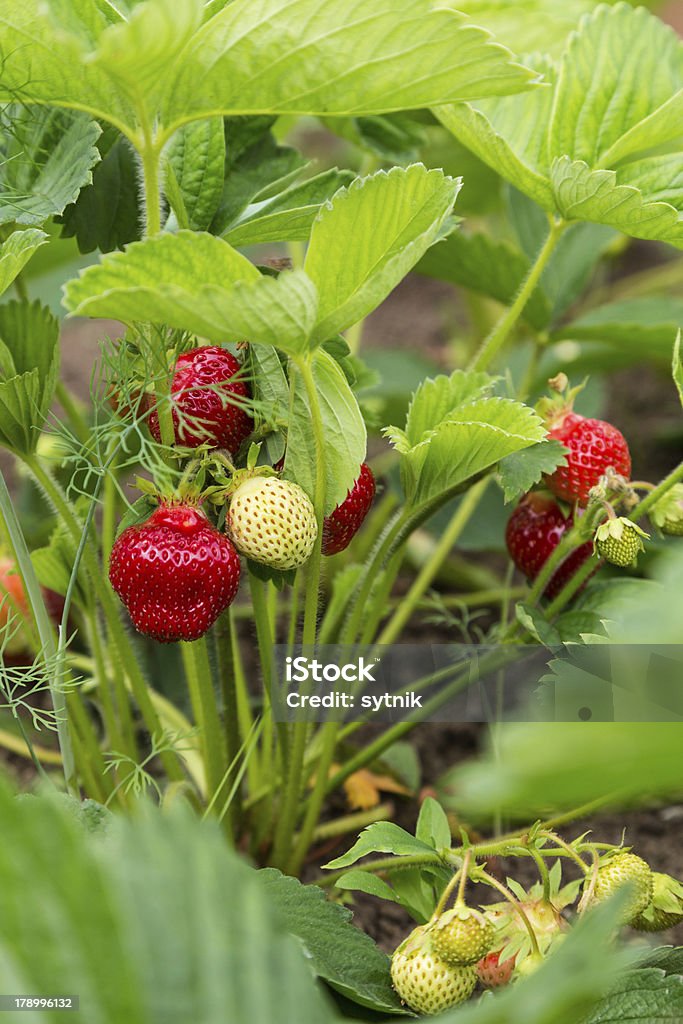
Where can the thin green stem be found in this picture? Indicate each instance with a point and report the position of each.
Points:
(542, 870)
(501, 332)
(49, 651)
(381, 864)
(659, 491)
(423, 580)
(504, 891)
(72, 407)
(125, 653)
(569, 850)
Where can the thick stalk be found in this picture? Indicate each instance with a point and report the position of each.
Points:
(205, 708)
(423, 580)
(501, 332)
(149, 160)
(329, 742)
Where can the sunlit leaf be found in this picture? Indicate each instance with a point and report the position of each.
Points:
(369, 236)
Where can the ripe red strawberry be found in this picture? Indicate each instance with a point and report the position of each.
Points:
(594, 447)
(175, 573)
(341, 526)
(533, 532)
(492, 973)
(205, 383)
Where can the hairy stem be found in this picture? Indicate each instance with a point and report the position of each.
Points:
(423, 580)
(203, 698)
(501, 332)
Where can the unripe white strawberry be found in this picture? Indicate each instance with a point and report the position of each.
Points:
(272, 521)
(425, 982)
(462, 936)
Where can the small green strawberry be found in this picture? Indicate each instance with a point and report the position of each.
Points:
(425, 982)
(272, 521)
(625, 869)
(665, 909)
(462, 936)
(619, 541)
(667, 513)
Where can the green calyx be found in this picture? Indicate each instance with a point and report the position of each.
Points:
(667, 513)
(462, 936)
(619, 540)
(553, 408)
(665, 909)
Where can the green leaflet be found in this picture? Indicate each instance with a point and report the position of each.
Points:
(168, 64)
(604, 143)
(368, 238)
(520, 471)
(16, 252)
(29, 362)
(454, 432)
(633, 326)
(344, 434)
(341, 954)
(199, 283)
(188, 924)
(48, 156)
(364, 240)
(195, 161)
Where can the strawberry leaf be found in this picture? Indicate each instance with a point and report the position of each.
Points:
(344, 433)
(520, 471)
(381, 837)
(339, 953)
(16, 252)
(48, 157)
(195, 161)
(641, 997)
(367, 238)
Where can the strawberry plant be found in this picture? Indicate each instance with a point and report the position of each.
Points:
(260, 475)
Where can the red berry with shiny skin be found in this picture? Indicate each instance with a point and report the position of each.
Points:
(341, 526)
(533, 532)
(175, 573)
(205, 383)
(594, 446)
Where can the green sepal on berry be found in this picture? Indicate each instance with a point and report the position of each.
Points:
(462, 936)
(423, 981)
(667, 513)
(624, 870)
(544, 915)
(665, 909)
(619, 541)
